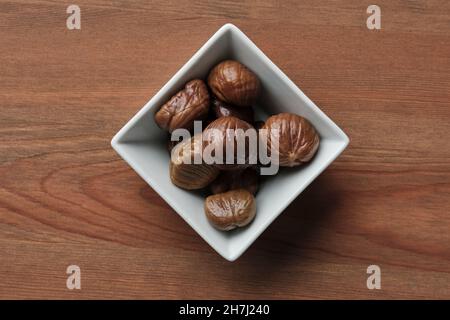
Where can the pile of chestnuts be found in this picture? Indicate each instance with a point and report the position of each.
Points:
(226, 102)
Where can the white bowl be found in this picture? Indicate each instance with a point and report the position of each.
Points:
(142, 143)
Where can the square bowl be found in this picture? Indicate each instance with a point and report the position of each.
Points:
(142, 144)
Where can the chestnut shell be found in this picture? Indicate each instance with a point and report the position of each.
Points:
(298, 140)
(188, 105)
(190, 176)
(234, 83)
(229, 210)
(216, 134)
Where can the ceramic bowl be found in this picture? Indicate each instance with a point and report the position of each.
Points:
(142, 144)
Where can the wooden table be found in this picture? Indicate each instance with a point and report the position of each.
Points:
(66, 198)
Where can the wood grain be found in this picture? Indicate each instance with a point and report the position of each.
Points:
(67, 198)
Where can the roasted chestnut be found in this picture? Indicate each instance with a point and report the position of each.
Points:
(298, 141)
(188, 105)
(222, 109)
(231, 209)
(187, 169)
(234, 83)
(229, 147)
(247, 179)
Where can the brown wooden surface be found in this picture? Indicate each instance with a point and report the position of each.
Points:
(67, 198)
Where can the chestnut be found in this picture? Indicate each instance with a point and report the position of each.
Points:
(222, 133)
(222, 109)
(188, 105)
(187, 169)
(298, 140)
(229, 210)
(247, 179)
(234, 83)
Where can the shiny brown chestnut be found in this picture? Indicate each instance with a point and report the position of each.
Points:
(223, 132)
(188, 105)
(298, 140)
(222, 109)
(247, 179)
(187, 169)
(234, 83)
(229, 210)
